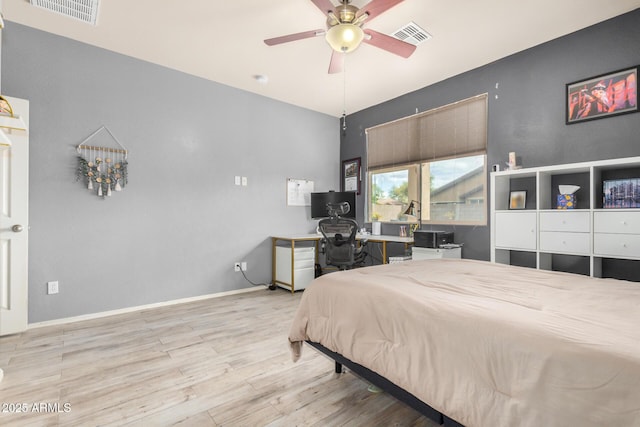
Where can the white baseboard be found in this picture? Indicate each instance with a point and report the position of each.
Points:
(139, 308)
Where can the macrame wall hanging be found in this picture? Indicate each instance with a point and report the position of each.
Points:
(103, 169)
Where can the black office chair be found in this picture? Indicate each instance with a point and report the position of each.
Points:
(339, 238)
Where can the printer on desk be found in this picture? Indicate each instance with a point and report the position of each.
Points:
(432, 239)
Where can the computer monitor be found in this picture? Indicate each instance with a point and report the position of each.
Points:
(319, 203)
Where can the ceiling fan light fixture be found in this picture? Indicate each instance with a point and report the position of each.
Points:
(344, 38)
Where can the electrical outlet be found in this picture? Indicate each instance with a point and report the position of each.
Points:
(244, 181)
(243, 265)
(236, 266)
(52, 287)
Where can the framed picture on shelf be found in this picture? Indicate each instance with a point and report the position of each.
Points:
(621, 193)
(351, 175)
(602, 96)
(517, 199)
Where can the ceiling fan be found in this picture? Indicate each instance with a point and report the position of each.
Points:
(344, 31)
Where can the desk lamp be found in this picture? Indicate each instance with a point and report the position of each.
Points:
(411, 210)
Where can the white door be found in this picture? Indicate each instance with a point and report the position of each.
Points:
(14, 225)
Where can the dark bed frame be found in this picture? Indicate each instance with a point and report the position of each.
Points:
(386, 385)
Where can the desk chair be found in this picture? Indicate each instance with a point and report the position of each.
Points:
(339, 238)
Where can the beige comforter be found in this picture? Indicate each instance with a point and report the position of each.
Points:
(487, 344)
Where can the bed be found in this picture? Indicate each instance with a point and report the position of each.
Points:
(484, 344)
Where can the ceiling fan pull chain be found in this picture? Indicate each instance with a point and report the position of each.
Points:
(344, 95)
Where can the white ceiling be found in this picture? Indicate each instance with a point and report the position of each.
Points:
(223, 41)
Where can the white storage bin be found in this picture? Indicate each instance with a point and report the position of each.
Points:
(570, 243)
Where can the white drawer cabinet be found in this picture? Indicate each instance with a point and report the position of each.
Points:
(617, 234)
(303, 268)
(516, 230)
(565, 232)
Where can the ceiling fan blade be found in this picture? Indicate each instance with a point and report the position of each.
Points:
(294, 37)
(376, 7)
(324, 5)
(337, 62)
(389, 43)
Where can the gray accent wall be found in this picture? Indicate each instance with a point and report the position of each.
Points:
(526, 108)
(181, 222)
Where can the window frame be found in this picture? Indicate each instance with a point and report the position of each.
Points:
(416, 189)
(482, 221)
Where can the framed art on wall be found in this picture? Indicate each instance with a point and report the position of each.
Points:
(602, 96)
(351, 175)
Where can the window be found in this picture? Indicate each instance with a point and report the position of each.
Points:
(391, 191)
(453, 191)
(430, 167)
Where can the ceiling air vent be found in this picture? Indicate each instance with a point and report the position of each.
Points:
(82, 10)
(412, 33)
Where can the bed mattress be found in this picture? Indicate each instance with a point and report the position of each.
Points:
(486, 344)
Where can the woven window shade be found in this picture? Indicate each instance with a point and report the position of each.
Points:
(454, 130)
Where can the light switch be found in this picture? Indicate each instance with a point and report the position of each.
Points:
(52, 287)
(244, 181)
(237, 180)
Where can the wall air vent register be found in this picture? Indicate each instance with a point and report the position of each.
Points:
(82, 10)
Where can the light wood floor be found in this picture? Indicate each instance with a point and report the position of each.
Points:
(220, 362)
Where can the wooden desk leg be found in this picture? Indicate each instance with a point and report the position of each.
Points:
(293, 247)
(273, 264)
(384, 252)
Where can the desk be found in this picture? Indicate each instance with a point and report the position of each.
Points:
(384, 239)
(315, 237)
